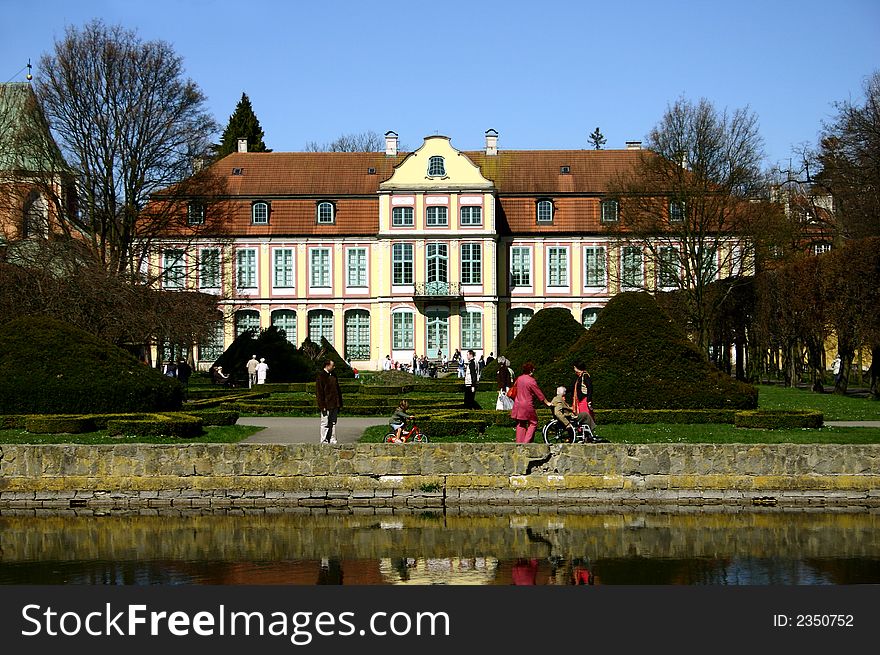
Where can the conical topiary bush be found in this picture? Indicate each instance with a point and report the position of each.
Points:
(50, 367)
(639, 358)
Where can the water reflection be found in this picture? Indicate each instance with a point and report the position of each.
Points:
(721, 548)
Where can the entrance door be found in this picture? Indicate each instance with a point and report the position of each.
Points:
(438, 331)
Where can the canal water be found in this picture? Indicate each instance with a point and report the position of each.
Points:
(703, 546)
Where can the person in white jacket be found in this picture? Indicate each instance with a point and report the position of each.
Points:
(262, 369)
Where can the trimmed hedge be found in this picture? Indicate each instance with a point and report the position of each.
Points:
(59, 424)
(449, 426)
(779, 419)
(216, 417)
(50, 367)
(12, 422)
(182, 426)
(386, 390)
(690, 416)
(640, 359)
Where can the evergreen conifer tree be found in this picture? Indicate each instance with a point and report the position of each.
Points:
(243, 124)
(597, 139)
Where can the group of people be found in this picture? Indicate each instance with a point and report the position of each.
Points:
(256, 372)
(180, 370)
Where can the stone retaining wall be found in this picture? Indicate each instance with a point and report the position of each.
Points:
(435, 475)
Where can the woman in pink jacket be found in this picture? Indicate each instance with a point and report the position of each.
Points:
(523, 405)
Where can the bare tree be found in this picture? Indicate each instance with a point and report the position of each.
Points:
(360, 142)
(686, 210)
(130, 124)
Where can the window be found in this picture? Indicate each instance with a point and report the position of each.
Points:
(212, 347)
(821, 248)
(557, 267)
(632, 267)
(609, 209)
(195, 213)
(564, 170)
(285, 319)
(669, 267)
(676, 211)
(521, 267)
(260, 213)
(402, 217)
(209, 268)
(402, 331)
(174, 269)
(357, 267)
(437, 257)
(246, 268)
(319, 267)
(283, 271)
(709, 262)
(402, 263)
(588, 317)
(471, 330)
(246, 319)
(594, 266)
(471, 215)
(471, 263)
(357, 334)
(437, 216)
(516, 321)
(545, 211)
(326, 213)
(321, 325)
(35, 222)
(437, 330)
(436, 167)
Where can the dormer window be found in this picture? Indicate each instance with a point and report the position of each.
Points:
(195, 213)
(326, 213)
(260, 213)
(676, 211)
(564, 170)
(436, 167)
(610, 211)
(545, 211)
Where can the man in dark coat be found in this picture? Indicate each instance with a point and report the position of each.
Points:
(470, 382)
(329, 397)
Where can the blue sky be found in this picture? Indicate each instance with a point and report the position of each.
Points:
(544, 74)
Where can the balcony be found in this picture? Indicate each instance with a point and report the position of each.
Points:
(437, 290)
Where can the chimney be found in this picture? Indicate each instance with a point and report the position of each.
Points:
(491, 142)
(390, 144)
(242, 145)
(633, 145)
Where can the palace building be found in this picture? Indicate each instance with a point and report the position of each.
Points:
(408, 253)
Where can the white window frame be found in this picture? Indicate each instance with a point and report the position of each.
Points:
(174, 268)
(436, 166)
(359, 267)
(246, 278)
(440, 261)
(361, 330)
(516, 312)
(597, 277)
(402, 329)
(195, 213)
(322, 276)
(623, 281)
(665, 276)
(321, 218)
(545, 204)
(322, 314)
(405, 217)
(471, 329)
(595, 312)
(287, 279)
(434, 217)
(289, 334)
(677, 211)
(472, 274)
(561, 265)
(249, 313)
(260, 213)
(470, 210)
(609, 210)
(407, 256)
(525, 265)
(204, 276)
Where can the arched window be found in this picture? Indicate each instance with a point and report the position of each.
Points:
(588, 317)
(35, 222)
(212, 347)
(436, 166)
(260, 213)
(516, 321)
(357, 334)
(545, 211)
(326, 213)
(246, 319)
(285, 319)
(321, 325)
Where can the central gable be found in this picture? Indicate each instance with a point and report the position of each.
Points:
(434, 166)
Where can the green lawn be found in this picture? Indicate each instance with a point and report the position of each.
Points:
(833, 407)
(213, 434)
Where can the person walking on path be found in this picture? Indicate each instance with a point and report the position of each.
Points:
(252, 371)
(835, 368)
(523, 404)
(329, 397)
(470, 382)
(262, 370)
(582, 396)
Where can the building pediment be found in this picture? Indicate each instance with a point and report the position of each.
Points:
(436, 166)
